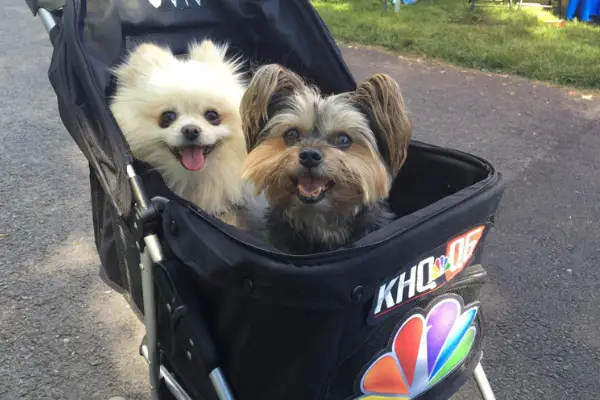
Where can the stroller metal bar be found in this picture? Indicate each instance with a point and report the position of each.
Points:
(150, 315)
(483, 383)
(136, 188)
(172, 384)
(47, 19)
(151, 254)
(220, 384)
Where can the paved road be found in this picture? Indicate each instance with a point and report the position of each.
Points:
(65, 335)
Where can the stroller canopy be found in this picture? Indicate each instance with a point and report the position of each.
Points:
(95, 35)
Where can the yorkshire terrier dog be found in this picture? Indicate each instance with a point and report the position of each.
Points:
(324, 164)
(181, 116)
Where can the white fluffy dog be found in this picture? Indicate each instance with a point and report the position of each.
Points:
(182, 117)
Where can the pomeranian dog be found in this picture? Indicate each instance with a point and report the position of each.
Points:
(324, 164)
(181, 116)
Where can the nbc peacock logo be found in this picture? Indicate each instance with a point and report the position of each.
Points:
(427, 347)
(440, 266)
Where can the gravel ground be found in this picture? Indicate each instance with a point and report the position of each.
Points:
(65, 335)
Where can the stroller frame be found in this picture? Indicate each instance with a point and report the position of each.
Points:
(152, 253)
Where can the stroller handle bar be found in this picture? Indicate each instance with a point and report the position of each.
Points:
(151, 254)
(47, 19)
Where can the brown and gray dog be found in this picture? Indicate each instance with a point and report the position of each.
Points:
(324, 163)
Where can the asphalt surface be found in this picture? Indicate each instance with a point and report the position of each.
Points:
(65, 335)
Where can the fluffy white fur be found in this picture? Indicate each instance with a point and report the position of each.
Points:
(153, 81)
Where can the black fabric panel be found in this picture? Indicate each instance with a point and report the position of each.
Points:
(288, 332)
(265, 31)
(319, 281)
(116, 247)
(84, 113)
(445, 173)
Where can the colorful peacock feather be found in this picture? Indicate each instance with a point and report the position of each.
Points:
(440, 266)
(425, 349)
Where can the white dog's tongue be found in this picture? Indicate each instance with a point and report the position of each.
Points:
(192, 158)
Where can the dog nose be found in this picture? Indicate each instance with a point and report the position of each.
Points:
(191, 132)
(310, 157)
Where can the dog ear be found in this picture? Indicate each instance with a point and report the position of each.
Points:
(380, 99)
(270, 85)
(140, 63)
(215, 54)
(207, 51)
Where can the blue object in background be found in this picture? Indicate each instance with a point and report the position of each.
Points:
(589, 8)
(583, 9)
(404, 2)
(571, 9)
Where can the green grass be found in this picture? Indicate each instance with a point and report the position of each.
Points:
(492, 38)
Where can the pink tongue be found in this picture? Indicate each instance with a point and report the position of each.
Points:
(310, 184)
(192, 158)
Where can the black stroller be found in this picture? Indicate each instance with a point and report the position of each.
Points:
(396, 316)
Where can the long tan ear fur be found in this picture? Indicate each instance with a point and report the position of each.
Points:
(380, 99)
(270, 85)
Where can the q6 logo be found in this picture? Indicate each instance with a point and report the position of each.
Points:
(426, 276)
(460, 249)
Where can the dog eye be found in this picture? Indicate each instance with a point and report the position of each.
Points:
(342, 141)
(212, 117)
(291, 136)
(167, 118)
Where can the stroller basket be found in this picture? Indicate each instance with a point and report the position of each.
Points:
(397, 315)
